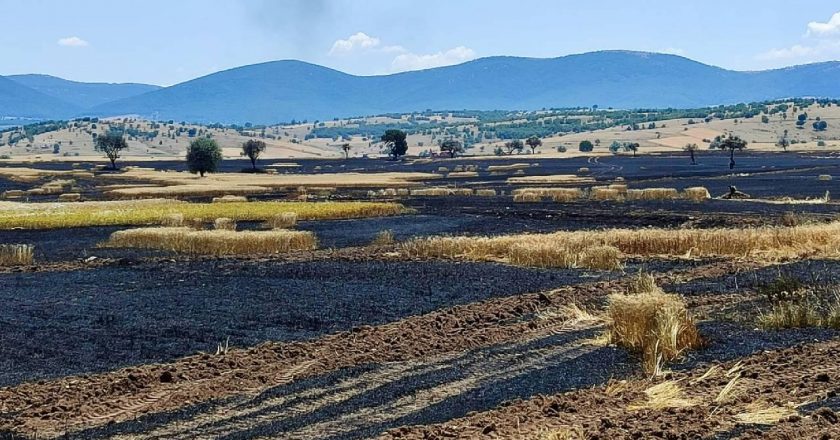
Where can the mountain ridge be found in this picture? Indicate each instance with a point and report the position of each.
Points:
(283, 90)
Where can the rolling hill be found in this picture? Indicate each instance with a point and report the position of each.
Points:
(17, 100)
(79, 94)
(284, 90)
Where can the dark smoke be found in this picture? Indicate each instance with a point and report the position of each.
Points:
(294, 20)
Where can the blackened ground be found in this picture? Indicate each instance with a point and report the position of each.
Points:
(61, 323)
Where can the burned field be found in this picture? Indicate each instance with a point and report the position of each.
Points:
(428, 306)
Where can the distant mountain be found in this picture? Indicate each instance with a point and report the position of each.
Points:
(83, 95)
(285, 90)
(20, 101)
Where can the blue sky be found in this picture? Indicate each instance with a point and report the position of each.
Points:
(166, 42)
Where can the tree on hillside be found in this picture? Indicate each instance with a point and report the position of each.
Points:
(820, 125)
(395, 142)
(691, 149)
(585, 146)
(451, 147)
(731, 143)
(514, 145)
(203, 156)
(345, 147)
(632, 146)
(533, 142)
(253, 148)
(111, 143)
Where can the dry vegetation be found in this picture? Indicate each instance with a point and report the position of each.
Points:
(16, 254)
(567, 249)
(160, 211)
(652, 323)
(213, 242)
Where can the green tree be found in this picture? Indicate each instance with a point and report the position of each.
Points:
(533, 142)
(253, 148)
(585, 146)
(111, 143)
(820, 125)
(783, 142)
(395, 142)
(451, 147)
(203, 156)
(345, 147)
(632, 146)
(514, 145)
(730, 143)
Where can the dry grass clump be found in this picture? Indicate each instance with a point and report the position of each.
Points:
(800, 307)
(224, 224)
(527, 197)
(764, 414)
(605, 193)
(555, 194)
(213, 242)
(485, 192)
(462, 174)
(172, 220)
(824, 177)
(70, 197)
(16, 254)
(229, 199)
(583, 170)
(654, 324)
(697, 194)
(652, 194)
(441, 192)
(508, 168)
(282, 221)
(662, 396)
(51, 215)
(443, 170)
(13, 194)
(384, 238)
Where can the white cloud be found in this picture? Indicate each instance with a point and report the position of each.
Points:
(412, 61)
(72, 42)
(793, 52)
(832, 27)
(359, 40)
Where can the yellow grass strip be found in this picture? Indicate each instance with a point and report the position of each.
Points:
(506, 168)
(551, 179)
(57, 215)
(697, 194)
(769, 242)
(213, 242)
(441, 192)
(652, 194)
(555, 194)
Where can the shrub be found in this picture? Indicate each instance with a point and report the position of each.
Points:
(16, 254)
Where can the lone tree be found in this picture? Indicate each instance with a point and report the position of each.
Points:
(632, 146)
(203, 156)
(533, 142)
(111, 143)
(395, 142)
(514, 145)
(253, 148)
(585, 146)
(783, 142)
(691, 149)
(345, 147)
(451, 147)
(730, 143)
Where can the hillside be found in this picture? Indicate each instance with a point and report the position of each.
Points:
(21, 101)
(79, 94)
(286, 90)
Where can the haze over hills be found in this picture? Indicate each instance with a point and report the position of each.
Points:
(285, 90)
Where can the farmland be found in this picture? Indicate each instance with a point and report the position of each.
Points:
(469, 297)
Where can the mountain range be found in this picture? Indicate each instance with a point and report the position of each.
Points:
(284, 90)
